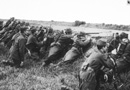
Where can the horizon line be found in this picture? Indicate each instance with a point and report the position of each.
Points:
(62, 21)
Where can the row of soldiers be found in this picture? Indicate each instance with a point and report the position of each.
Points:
(23, 38)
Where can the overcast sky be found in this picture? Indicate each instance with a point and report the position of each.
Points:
(90, 11)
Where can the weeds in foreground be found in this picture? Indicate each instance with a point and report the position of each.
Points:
(32, 77)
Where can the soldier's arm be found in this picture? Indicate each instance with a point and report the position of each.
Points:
(127, 51)
(36, 42)
(107, 62)
(82, 43)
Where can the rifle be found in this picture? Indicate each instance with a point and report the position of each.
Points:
(93, 33)
(59, 36)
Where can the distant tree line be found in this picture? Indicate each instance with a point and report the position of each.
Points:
(113, 26)
(102, 25)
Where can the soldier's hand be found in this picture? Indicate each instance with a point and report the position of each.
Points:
(45, 39)
(113, 61)
(75, 34)
(21, 64)
(106, 77)
(52, 43)
(74, 38)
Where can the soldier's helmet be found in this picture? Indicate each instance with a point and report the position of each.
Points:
(68, 31)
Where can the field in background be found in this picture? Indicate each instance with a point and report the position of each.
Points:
(102, 29)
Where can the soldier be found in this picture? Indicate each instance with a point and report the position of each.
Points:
(9, 22)
(80, 46)
(18, 51)
(41, 33)
(120, 46)
(48, 38)
(15, 36)
(33, 45)
(59, 47)
(114, 43)
(91, 67)
(123, 63)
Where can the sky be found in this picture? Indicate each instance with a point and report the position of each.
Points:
(90, 11)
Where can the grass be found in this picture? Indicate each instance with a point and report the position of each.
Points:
(32, 77)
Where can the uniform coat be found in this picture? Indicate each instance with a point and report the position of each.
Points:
(59, 48)
(77, 50)
(34, 46)
(123, 63)
(18, 51)
(91, 67)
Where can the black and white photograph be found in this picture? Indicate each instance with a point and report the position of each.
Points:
(65, 45)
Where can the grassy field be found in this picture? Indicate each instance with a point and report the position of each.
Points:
(34, 77)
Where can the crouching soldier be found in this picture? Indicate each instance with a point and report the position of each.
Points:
(80, 46)
(48, 38)
(18, 50)
(92, 66)
(33, 46)
(123, 63)
(59, 47)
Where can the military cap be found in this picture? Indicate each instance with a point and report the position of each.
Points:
(101, 42)
(50, 30)
(23, 28)
(68, 30)
(27, 24)
(33, 30)
(81, 34)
